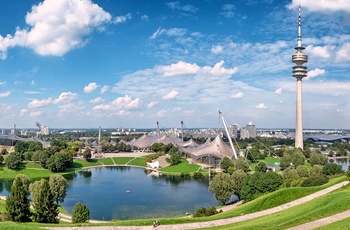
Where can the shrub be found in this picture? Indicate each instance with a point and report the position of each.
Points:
(80, 214)
(197, 175)
(185, 174)
(315, 181)
(331, 169)
(151, 157)
(206, 212)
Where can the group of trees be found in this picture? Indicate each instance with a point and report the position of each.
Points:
(174, 154)
(45, 197)
(118, 147)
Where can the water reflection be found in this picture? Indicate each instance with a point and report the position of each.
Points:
(342, 161)
(129, 193)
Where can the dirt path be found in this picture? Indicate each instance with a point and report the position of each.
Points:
(233, 219)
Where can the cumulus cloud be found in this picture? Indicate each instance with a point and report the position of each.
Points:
(56, 27)
(152, 103)
(237, 95)
(278, 91)
(180, 68)
(315, 72)
(35, 113)
(120, 103)
(261, 106)
(216, 49)
(218, 69)
(96, 100)
(39, 103)
(23, 112)
(5, 94)
(90, 87)
(170, 95)
(104, 89)
(343, 54)
(319, 51)
(324, 5)
(2, 82)
(65, 97)
(162, 113)
(122, 19)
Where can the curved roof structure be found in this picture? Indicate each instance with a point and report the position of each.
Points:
(215, 148)
(328, 138)
(13, 137)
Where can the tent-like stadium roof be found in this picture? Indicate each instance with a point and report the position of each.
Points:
(13, 137)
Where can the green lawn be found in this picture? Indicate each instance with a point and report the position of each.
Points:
(84, 163)
(106, 161)
(140, 161)
(184, 166)
(122, 160)
(17, 226)
(33, 165)
(6, 173)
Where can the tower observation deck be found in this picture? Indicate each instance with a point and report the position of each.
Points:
(299, 71)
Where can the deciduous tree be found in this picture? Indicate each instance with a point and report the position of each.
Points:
(222, 187)
(58, 186)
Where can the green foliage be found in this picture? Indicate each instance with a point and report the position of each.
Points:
(298, 157)
(290, 174)
(317, 159)
(87, 153)
(58, 186)
(261, 167)
(80, 214)
(13, 161)
(315, 181)
(174, 158)
(184, 175)
(303, 171)
(1, 158)
(201, 212)
(18, 206)
(4, 152)
(151, 157)
(258, 184)
(241, 163)
(331, 169)
(238, 177)
(222, 187)
(45, 208)
(197, 175)
(316, 170)
(225, 163)
(286, 160)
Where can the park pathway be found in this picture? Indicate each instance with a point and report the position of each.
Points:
(228, 220)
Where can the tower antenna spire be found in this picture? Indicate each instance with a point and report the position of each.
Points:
(299, 72)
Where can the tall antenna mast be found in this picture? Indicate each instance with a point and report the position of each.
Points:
(228, 135)
(182, 130)
(158, 131)
(299, 72)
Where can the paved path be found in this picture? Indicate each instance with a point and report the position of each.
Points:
(224, 221)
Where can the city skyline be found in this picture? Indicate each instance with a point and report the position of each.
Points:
(82, 63)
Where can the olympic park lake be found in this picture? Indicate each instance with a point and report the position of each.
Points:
(122, 193)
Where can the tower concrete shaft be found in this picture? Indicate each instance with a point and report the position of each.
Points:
(299, 72)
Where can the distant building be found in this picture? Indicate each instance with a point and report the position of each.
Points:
(43, 130)
(234, 131)
(248, 132)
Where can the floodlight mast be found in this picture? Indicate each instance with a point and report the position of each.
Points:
(228, 135)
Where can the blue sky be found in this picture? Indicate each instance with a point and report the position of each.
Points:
(129, 64)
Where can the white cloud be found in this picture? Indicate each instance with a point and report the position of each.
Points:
(5, 94)
(2, 82)
(170, 95)
(144, 17)
(278, 91)
(96, 100)
(173, 32)
(23, 112)
(186, 8)
(56, 27)
(91, 87)
(319, 51)
(122, 19)
(180, 68)
(324, 5)
(33, 83)
(65, 97)
(343, 54)
(216, 49)
(261, 106)
(152, 103)
(39, 103)
(104, 89)
(237, 95)
(120, 103)
(162, 113)
(35, 113)
(218, 70)
(314, 73)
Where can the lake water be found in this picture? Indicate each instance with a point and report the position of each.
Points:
(343, 162)
(131, 193)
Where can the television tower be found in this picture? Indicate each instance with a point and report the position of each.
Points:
(299, 71)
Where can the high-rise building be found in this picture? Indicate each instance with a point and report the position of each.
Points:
(234, 131)
(248, 132)
(299, 72)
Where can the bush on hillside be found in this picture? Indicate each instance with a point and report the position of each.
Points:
(315, 181)
(206, 212)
